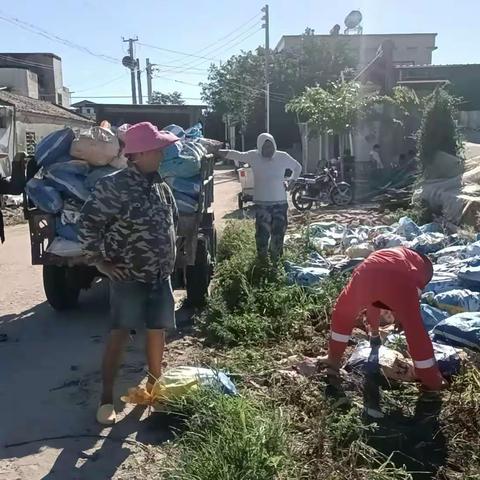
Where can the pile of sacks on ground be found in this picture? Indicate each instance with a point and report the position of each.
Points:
(71, 163)
(450, 303)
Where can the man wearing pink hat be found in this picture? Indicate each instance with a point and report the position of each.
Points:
(128, 230)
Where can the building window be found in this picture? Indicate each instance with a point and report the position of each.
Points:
(59, 99)
(30, 143)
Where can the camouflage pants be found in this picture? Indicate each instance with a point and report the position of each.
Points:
(271, 223)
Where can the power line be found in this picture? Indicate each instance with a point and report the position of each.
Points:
(176, 51)
(108, 82)
(196, 53)
(124, 96)
(222, 48)
(53, 37)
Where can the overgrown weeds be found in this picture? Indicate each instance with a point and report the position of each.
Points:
(252, 303)
(231, 438)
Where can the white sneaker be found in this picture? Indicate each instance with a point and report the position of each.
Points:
(106, 414)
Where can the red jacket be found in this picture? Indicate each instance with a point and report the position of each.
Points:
(391, 279)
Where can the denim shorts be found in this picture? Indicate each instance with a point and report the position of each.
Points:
(134, 304)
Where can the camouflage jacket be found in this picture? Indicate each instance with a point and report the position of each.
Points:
(131, 220)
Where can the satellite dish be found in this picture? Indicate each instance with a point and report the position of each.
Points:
(128, 62)
(353, 19)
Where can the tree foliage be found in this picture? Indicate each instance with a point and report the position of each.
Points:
(173, 98)
(439, 131)
(237, 87)
(334, 109)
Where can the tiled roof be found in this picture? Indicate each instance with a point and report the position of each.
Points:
(31, 105)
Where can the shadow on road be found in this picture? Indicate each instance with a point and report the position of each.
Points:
(49, 390)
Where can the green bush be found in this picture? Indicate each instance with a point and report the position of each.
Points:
(438, 131)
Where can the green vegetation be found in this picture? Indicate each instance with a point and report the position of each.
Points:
(254, 304)
(231, 438)
(439, 131)
(283, 426)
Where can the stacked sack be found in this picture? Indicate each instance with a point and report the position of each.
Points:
(181, 165)
(71, 164)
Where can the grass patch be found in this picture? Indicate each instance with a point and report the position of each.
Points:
(231, 438)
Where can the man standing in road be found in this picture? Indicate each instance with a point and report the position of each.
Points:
(128, 230)
(269, 168)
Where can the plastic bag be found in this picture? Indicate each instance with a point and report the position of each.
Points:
(182, 166)
(172, 151)
(428, 243)
(53, 147)
(185, 204)
(407, 228)
(175, 129)
(469, 277)
(44, 197)
(65, 248)
(455, 301)
(388, 240)
(210, 145)
(97, 145)
(392, 363)
(179, 381)
(359, 251)
(305, 276)
(69, 178)
(432, 316)
(189, 186)
(460, 330)
(196, 131)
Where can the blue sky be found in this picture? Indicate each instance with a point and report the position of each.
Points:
(204, 29)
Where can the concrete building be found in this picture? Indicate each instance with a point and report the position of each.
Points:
(48, 68)
(20, 81)
(85, 108)
(24, 121)
(409, 48)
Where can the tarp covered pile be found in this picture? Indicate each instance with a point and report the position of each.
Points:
(450, 303)
(71, 163)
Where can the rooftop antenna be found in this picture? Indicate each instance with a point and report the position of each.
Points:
(353, 23)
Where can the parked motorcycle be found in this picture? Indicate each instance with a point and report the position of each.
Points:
(323, 188)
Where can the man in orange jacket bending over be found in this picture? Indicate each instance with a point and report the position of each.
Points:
(390, 279)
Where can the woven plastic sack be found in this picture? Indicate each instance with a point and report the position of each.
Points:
(54, 146)
(189, 186)
(44, 197)
(98, 146)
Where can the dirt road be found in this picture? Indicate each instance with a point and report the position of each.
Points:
(50, 377)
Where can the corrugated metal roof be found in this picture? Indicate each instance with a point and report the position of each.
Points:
(32, 105)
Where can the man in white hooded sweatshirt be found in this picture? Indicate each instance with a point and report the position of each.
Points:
(269, 168)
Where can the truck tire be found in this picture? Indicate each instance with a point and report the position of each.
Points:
(61, 288)
(198, 276)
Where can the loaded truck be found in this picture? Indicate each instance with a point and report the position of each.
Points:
(65, 277)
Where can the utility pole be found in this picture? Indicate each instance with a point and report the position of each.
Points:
(131, 64)
(266, 26)
(148, 73)
(139, 82)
